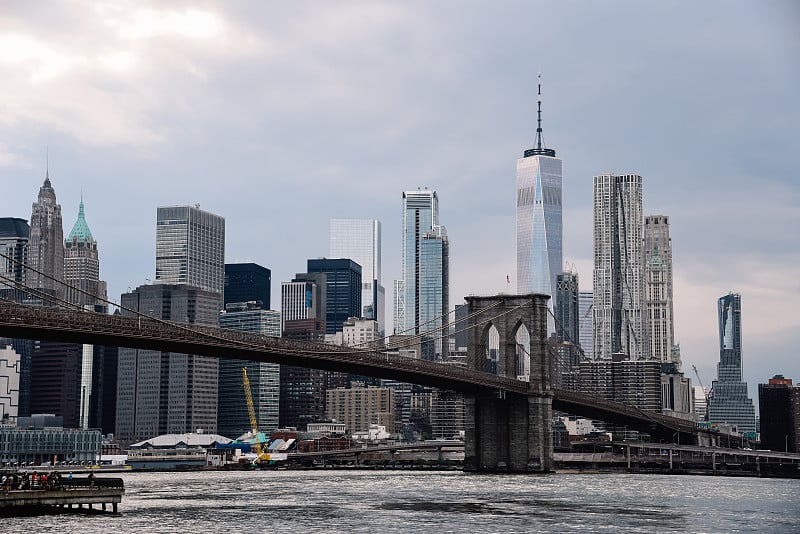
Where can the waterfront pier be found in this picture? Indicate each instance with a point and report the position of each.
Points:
(75, 495)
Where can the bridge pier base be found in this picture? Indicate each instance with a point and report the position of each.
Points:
(508, 434)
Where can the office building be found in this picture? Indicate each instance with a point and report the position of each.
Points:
(539, 224)
(82, 266)
(618, 284)
(264, 378)
(14, 238)
(9, 383)
(302, 390)
(779, 406)
(46, 245)
(161, 392)
(658, 319)
(728, 402)
(632, 382)
(190, 248)
(360, 240)
(566, 306)
(342, 290)
(425, 303)
(248, 282)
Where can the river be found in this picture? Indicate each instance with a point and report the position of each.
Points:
(440, 502)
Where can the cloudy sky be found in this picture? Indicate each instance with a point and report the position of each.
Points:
(280, 117)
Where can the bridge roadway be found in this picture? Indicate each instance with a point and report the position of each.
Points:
(52, 324)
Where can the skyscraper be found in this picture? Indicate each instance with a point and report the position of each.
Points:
(539, 227)
(82, 265)
(728, 402)
(659, 330)
(567, 312)
(162, 392)
(46, 246)
(618, 284)
(360, 240)
(14, 238)
(190, 248)
(247, 301)
(342, 290)
(248, 282)
(426, 272)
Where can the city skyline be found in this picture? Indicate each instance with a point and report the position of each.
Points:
(710, 142)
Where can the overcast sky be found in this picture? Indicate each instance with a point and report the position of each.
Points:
(281, 117)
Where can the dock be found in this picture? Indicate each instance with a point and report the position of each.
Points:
(67, 495)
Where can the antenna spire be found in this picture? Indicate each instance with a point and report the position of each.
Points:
(539, 147)
(47, 162)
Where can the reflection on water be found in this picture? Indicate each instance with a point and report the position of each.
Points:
(391, 501)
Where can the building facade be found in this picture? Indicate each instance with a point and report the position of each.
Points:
(425, 273)
(358, 408)
(360, 240)
(779, 406)
(539, 216)
(9, 384)
(617, 325)
(264, 377)
(162, 392)
(586, 339)
(190, 248)
(82, 266)
(248, 282)
(14, 239)
(342, 290)
(728, 402)
(567, 307)
(658, 315)
(46, 245)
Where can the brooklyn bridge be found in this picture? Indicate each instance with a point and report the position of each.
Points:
(507, 420)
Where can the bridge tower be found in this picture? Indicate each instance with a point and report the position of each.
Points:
(506, 431)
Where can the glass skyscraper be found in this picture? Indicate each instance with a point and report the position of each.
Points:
(539, 225)
(426, 272)
(360, 240)
(728, 402)
(342, 290)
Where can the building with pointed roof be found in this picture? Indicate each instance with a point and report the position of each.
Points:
(82, 265)
(658, 318)
(46, 245)
(539, 220)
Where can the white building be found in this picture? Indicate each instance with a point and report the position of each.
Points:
(360, 241)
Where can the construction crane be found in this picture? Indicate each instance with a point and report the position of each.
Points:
(705, 393)
(257, 438)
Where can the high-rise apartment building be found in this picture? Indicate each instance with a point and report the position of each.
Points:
(46, 245)
(425, 274)
(248, 282)
(728, 402)
(658, 321)
(342, 290)
(539, 224)
(190, 248)
(360, 240)
(618, 284)
(161, 392)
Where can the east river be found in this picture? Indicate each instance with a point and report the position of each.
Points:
(440, 502)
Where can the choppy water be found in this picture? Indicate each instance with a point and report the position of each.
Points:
(392, 501)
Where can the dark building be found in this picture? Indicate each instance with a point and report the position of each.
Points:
(302, 397)
(462, 324)
(566, 307)
(248, 282)
(779, 406)
(56, 380)
(14, 234)
(343, 290)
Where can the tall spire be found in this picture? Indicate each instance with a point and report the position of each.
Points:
(539, 149)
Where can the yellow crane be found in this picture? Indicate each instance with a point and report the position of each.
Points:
(257, 438)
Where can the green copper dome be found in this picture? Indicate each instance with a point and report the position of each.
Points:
(81, 229)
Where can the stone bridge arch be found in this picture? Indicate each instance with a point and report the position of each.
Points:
(505, 431)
